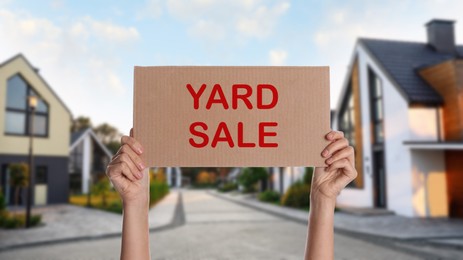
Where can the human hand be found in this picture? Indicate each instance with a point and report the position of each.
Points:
(126, 172)
(327, 182)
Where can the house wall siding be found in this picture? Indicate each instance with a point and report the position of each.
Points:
(59, 122)
(57, 174)
(397, 157)
(429, 183)
(447, 79)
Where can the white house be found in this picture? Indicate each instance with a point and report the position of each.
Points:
(88, 158)
(402, 108)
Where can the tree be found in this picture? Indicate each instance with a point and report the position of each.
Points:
(251, 176)
(81, 123)
(19, 178)
(106, 133)
(101, 188)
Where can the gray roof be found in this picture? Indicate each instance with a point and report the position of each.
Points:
(401, 60)
(76, 135)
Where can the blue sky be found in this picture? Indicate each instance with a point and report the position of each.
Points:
(86, 50)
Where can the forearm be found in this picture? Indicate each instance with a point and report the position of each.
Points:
(320, 233)
(135, 231)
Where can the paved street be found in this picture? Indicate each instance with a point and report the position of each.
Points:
(213, 228)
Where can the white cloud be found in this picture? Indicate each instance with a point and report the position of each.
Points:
(277, 57)
(223, 19)
(261, 21)
(111, 32)
(207, 30)
(80, 60)
(152, 9)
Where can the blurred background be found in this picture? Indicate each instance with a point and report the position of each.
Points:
(66, 99)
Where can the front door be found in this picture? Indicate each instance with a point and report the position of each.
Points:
(379, 179)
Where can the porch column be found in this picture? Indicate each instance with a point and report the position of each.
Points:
(86, 163)
(178, 177)
(169, 176)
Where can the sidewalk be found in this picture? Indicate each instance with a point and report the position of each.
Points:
(441, 231)
(65, 223)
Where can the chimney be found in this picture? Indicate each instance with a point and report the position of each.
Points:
(441, 36)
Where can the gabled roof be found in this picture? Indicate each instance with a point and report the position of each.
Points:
(78, 137)
(21, 56)
(401, 60)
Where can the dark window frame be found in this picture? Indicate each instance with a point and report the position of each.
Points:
(373, 80)
(27, 111)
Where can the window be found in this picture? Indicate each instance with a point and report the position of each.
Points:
(347, 125)
(18, 113)
(376, 92)
(41, 173)
(347, 118)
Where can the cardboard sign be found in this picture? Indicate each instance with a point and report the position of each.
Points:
(231, 116)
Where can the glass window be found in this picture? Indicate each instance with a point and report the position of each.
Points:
(15, 122)
(40, 125)
(41, 173)
(16, 93)
(347, 118)
(18, 114)
(377, 113)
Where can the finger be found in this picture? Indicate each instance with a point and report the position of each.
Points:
(130, 170)
(348, 174)
(136, 146)
(133, 156)
(333, 135)
(131, 132)
(347, 152)
(115, 175)
(339, 164)
(334, 147)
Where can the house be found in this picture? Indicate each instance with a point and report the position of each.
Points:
(88, 158)
(51, 124)
(401, 106)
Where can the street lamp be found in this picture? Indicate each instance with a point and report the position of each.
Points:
(33, 100)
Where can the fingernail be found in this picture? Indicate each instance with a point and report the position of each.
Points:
(330, 136)
(141, 166)
(329, 161)
(140, 151)
(325, 153)
(140, 175)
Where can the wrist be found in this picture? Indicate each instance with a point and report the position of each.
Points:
(321, 201)
(136, 204)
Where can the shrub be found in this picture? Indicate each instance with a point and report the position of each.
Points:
(269, 196)
(11, 221)
(2, 203)
(228, 187)
(102, 188)
(115, 206)
(35, 220)
(251, 176)
(157, 191)
(308, 175)
(297, 196)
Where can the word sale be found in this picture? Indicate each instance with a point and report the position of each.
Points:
(241, 95)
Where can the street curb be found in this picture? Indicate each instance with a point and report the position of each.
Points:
(243, 203)
(377, 239)
(178, 219)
